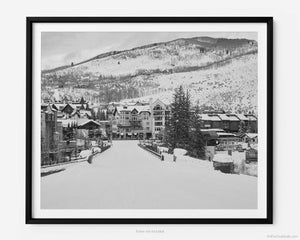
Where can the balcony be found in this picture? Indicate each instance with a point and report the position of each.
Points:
(136, 124)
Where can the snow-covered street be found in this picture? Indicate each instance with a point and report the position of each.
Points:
(128, 177)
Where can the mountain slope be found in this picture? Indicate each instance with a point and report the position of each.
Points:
(221, 73)
(231, 86)
(173, 55)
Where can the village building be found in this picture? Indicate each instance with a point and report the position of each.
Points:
(160, 113)
(250, 138)
(51, 133)
(210, 121)
(132, 122)
(252, 122)
(234, 123)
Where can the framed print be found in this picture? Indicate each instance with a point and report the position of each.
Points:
(149, 120)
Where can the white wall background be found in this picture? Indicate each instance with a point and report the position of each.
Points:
(286, 116)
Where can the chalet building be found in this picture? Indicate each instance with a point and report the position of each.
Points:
(131, 122)
(122, 116)
(160, 113)
(227, 141)
(228, 122)
(210, 121)
(71, 109)
(225, 121)
(140, 120)
(250, 137)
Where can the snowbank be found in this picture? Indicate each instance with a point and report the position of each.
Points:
(240, 165)
(179, 152)
(96, 150)
(85, 153)
(223, 158)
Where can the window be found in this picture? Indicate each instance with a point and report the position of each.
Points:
(157, 107)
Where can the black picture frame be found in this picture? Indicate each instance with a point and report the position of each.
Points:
(29, 219)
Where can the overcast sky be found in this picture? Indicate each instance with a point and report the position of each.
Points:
(62, 48)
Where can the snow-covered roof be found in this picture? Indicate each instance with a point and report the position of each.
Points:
(251, 135)
(251, 118)
(83, 121)
(224, 117)
(232, 118)
(207, 117)
(59, 105)
(224, 134)
(158, 101)
(142, 108)
(223, 158)
(79, 122)
(242, 117)
(212, 129)
(122, 108)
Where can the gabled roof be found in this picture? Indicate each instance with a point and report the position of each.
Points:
(250, 135)
(142, 108)
(70, 105)
(83, 121)
(158, 101)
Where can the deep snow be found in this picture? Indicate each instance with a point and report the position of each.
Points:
(128, 177)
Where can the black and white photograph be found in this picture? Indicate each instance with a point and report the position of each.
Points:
(141, 123)
(160, 120)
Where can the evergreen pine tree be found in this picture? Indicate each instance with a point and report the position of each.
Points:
(196, 144)
(177, 128)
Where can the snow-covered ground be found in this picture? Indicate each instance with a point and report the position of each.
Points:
(128, 177)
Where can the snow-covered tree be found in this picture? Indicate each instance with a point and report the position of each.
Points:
(177, 127)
